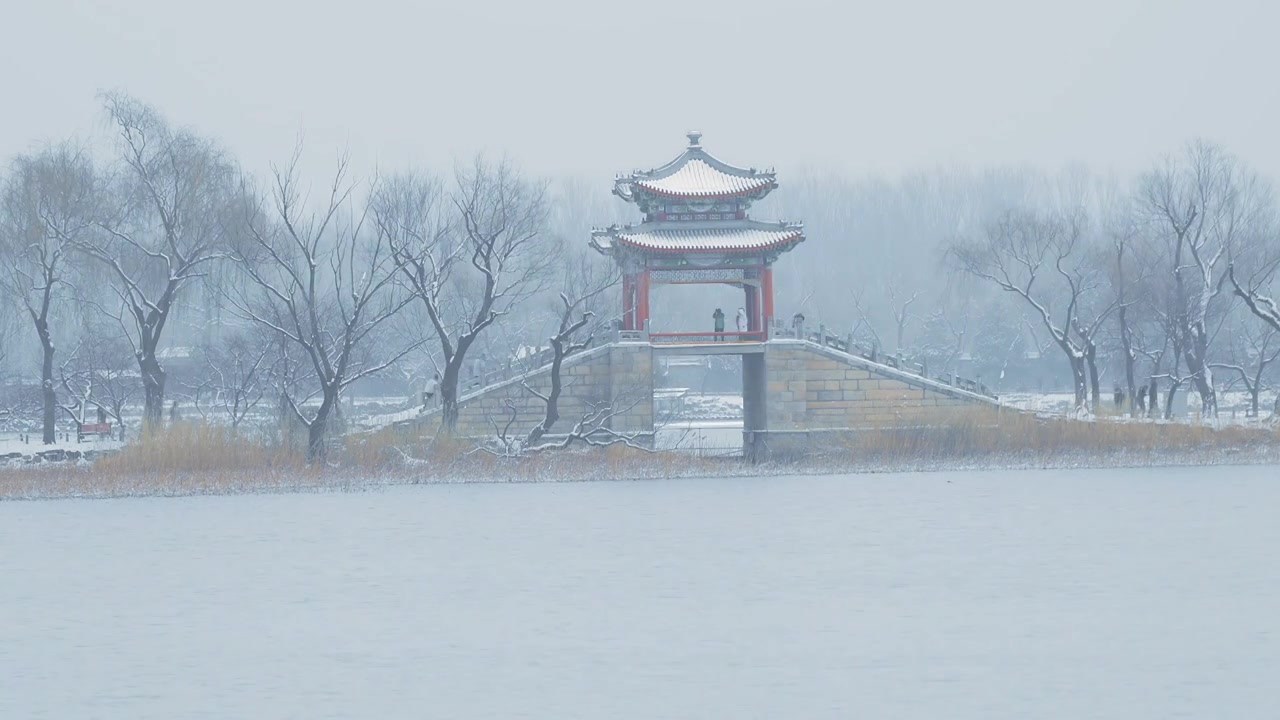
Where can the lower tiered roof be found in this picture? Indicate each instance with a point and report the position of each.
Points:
(742, 236)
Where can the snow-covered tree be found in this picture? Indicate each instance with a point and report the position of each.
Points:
(49, 205)
(1043, 259)
(167, 219)
(469, 254)
(322, 282)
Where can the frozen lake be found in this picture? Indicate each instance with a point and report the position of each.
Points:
(1057, 594)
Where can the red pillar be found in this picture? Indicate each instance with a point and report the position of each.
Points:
(628, 303)
(753, 308)
(766, 292)
(642, 304)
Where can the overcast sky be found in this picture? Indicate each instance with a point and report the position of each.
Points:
(594, 87)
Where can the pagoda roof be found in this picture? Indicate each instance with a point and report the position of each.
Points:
(696, 174)
(700, 237)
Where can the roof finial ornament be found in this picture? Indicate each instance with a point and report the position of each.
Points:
(695, 138)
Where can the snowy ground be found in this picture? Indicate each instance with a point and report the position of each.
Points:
(706, 438)
(12, 443)
(966, 596)
(1231, 405)
(383, 419)
(712, 407)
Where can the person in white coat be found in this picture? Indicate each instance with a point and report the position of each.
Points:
(742, 321)
(479, 366)
(429, 392)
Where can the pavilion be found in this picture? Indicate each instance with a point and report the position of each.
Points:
(697, 229)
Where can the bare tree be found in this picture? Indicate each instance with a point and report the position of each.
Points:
(864, 327)
(323, 284)
(1087, 330)
(97, 375)
(591, 428)
(584, 281)
(75, 375)
(1205, 205)
(115, 379)
(1170, 350)
(469, 255)
(1260, 302)
(1042, 260)
(7, 333)
(1253, 351)
(1253, 292)
(11, 398)
(942, 339)
(48, 206)
(234, 377)
(174, 199)
(899, 301)
(1122, 280)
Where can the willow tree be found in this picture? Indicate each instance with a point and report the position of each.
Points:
(171, 213)
(49, 205)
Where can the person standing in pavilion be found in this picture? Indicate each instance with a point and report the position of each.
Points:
(742, 321)
(718, 318)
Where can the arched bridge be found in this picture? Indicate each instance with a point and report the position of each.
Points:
(795, 383)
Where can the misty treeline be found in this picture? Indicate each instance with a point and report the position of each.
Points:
(1139, 288)
(280, 292)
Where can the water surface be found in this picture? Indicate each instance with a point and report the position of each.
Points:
(1055, 594)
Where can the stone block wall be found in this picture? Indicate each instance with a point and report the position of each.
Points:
(631, 389)
(793, 387)
(809, 387)
(619, 374)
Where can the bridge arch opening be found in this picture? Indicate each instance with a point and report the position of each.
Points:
(707, 404)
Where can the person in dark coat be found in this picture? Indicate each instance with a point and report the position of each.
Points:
(1119, 398)
(718, 317)
(1142, 399)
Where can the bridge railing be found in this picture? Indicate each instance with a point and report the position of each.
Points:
(516, 366)
(846, 344)
(673, 338)
(512, 368)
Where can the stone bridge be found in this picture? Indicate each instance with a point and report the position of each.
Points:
(796, 386)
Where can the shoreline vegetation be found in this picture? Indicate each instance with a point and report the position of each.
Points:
(198, 459)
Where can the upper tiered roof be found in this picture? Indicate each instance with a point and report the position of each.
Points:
(694, 175)
(697, 205)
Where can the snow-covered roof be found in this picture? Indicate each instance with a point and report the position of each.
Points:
(696, 174)
(700, 237)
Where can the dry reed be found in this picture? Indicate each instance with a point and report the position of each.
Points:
(192, 458)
